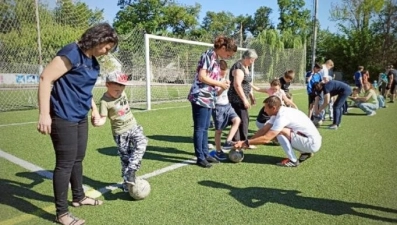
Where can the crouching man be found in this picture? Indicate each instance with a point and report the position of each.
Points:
(293, 129)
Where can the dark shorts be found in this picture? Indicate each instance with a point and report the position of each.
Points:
(223, 116)
(393, 86)
(311, 98)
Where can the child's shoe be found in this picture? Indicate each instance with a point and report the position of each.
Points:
(218, 155)
(130, 177)
(227, 146)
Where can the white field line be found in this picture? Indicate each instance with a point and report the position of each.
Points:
(88, 190)
(16, 124)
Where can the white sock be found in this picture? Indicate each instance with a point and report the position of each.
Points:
(287, 147)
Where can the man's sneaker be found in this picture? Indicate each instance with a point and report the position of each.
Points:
(212, 159)
(333, 127)
(227, 146)
(218, 155)
(130, 177)
(305, 156)
(288, 163)
(373, 113)
(204, 164)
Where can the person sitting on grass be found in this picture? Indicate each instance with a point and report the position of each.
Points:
(128, 135)
(369, 103)
(223, 115)
(293, 130)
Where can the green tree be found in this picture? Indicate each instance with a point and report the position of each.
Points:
(76, 14)
(18, 40)
(260, 21)
(358, 40)
(220, 23)
(294, 17)
(385, 28)
(156, 16)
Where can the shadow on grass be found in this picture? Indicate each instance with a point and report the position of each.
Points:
(12, 192)
(17, 195)
(254, 197)
(153, 153)
(260, 159)
(171, 138)
(355, 114)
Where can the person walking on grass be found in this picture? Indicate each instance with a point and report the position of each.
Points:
(328, 90)
(223, 115)
(65, 98)
(293, 130)
(128, 135)
(202, 95)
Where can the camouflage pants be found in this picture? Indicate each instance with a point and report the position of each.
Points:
(131, 148)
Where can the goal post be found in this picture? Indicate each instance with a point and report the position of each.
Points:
(163, 58)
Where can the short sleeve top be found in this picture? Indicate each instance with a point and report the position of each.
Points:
(201, 93)
(71, 94)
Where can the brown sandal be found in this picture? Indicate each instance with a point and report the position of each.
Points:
(69, 219)
(81, 202)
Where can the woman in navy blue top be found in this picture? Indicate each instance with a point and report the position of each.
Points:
(63, 111)
(330, 89)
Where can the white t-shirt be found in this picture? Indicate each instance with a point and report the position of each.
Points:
(295, 120)
(222, 99)
(324, 73)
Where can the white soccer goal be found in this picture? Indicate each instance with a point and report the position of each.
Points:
(170, 66)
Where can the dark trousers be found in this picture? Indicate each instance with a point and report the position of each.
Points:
(70, 143)
(201, 121)
(242, 132)
(338, 106)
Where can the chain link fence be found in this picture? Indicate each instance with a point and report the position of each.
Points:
(32, 31)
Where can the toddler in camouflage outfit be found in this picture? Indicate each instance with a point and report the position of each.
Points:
(128, 135)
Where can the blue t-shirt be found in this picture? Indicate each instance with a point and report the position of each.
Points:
(72, 93)
(315, 78)
(335, 87)
(357, 76)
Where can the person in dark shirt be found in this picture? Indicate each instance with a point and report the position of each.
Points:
(65, 98)
(392, 85)
(358, 80)
(330, 89)
(286, 80)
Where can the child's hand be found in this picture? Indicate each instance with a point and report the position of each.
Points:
(95, 118)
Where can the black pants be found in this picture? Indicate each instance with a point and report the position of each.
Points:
(242, 112)
(70, 142)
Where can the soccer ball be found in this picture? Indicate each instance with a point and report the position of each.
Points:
(140, 190)
(236, 156)
(317, 121)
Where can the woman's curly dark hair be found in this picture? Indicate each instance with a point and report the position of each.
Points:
(98, 34)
